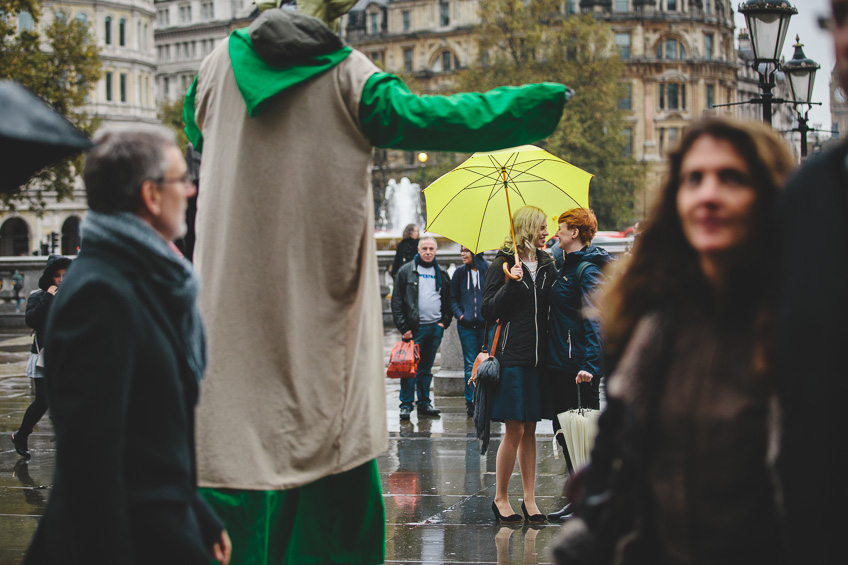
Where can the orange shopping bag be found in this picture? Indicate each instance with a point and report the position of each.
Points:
(403, 362)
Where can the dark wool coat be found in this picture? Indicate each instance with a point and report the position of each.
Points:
(809, 362)
(522, 306)
(690, 423)
(122, 402)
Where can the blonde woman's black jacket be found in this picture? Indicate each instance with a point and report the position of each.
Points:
(522, 306)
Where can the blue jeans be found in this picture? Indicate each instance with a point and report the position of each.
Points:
(471, 340)
(428, 337)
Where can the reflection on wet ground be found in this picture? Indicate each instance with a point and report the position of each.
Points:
(438, 489)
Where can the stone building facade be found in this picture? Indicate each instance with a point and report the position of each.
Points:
(124, 94)
(185, 32)
(680, 61)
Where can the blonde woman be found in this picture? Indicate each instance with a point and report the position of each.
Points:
(521, 306)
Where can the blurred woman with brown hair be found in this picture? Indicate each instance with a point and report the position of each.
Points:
(683, 451)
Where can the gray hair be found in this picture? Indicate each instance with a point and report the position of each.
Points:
(121, 160)
(428, 238)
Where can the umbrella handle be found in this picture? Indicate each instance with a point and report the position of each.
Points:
(507, 273)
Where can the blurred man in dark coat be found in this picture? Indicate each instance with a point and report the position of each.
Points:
(812, 330)
(124, 359)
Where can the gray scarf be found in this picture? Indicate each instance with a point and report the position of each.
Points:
(172, 277)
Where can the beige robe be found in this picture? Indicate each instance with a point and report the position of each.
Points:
(295, 386)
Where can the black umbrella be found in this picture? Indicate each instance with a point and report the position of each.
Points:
(32, 136)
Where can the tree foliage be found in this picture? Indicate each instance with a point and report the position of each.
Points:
(60, 63)
(533, 42)
(171, 115)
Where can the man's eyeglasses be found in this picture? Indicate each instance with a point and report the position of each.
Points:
(186, 179)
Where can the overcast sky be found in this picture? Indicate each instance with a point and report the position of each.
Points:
(818, 46)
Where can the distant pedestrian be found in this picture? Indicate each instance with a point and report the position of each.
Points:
(421, 311)
(38, 306)
(575, 350)
(522, 398)
(466, 300)
(18, 286)
(125, 356)
(406, 249)
(682, 467)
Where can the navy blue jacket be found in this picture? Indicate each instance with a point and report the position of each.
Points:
(574, 341)
(466, 300)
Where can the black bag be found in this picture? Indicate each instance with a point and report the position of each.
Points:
(487, 369)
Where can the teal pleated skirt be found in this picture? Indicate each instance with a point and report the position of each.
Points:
(522, 395)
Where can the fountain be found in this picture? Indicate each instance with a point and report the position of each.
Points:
(402, 206)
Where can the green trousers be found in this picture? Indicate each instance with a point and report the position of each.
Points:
(337, 519)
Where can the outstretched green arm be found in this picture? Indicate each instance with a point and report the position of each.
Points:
(392, 117)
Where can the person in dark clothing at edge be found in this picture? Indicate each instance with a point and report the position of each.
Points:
(574, 334)
(522, 398)
(125, 353)
(421, 311)
(37, 308)
(406, 249)
(466, 301)
(809, 348)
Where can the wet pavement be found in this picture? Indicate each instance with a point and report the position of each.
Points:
(438, 489)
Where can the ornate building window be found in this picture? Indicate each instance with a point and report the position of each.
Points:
(668, 138)
(626, 101)
(107, 30)
(671, 5)
(444, 12)
(628, 142)
(671, 49)
(123, 87)
(25, 21)
(622, 43)
(672, 96)
(82, 18)
(708, 47)
(445, 61)
(620, 5)
(405, 16)
(710, 96)
(570, 7)
(407, 59)
(374, 23)
(122, 32)
(108, 86)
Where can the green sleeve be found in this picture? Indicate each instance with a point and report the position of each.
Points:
(394, 118)
(191, 129)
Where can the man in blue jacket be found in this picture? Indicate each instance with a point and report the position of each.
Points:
(466, 299)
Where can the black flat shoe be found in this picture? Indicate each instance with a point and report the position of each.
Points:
(535, 518)
(511, 519)
(428, 411)
(21, 445)
(562, 514)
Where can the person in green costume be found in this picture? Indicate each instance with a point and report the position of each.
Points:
(292, 417)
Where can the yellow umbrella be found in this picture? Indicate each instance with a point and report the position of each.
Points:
(472, 204)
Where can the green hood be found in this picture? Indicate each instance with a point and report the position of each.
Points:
(279, 50)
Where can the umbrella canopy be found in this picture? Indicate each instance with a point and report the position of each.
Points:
(473, 203)
(579, 427)
(32, 136)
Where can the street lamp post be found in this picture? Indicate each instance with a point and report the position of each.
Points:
(422, 158)
(767, 22)
(802, 75)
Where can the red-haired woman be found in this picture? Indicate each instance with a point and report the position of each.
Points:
(574, 337)
(681, 468)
